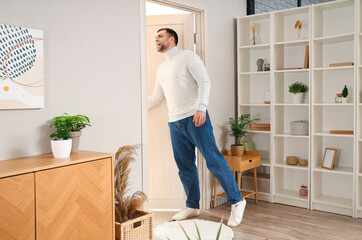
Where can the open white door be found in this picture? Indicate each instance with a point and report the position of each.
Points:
(165, 187)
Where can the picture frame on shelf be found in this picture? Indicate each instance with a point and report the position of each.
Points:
(328, 158)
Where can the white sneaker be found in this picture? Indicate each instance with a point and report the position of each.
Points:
(186, 213)
(237, 212)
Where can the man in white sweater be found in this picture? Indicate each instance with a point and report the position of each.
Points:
(182, 79)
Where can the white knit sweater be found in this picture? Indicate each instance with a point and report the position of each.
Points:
(183, 80)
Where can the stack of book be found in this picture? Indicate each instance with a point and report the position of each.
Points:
(260, 127)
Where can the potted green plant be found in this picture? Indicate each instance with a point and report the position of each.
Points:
(237, 126)
(344, 94)
(61, 141)
(76, 124)
(298, 90)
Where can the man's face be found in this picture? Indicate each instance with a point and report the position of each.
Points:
(163, 41)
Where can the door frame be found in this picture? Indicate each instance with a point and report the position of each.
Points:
(200, 10)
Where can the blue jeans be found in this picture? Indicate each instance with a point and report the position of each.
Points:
(185, 137)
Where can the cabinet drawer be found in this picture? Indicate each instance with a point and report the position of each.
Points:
(75, 202)
(17, 218)
(241, 164)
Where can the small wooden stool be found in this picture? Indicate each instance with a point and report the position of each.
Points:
(250, 160)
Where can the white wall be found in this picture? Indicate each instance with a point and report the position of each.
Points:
(222, 64)
(92, 67)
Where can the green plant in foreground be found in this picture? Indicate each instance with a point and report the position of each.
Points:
(298, 87)
(77, 122)
(198, 232)
(238, 124)
(345, 91)
(62, 128)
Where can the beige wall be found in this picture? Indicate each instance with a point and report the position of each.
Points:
(92, 67)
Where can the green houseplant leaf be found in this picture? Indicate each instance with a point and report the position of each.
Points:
(188, 238)
(62, 127)
(77, 122)
(237, 126)
(298, 87)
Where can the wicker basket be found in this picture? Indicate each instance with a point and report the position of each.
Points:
(138, 228)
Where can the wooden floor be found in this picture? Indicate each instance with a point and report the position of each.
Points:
(275, 221)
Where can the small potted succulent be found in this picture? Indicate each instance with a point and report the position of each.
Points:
(76, 124)
(344, 94)
(298, 90)
(61, 141)
(238, 131)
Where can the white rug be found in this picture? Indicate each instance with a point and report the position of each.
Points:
(208, 230)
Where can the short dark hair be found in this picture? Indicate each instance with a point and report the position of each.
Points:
(170, 32)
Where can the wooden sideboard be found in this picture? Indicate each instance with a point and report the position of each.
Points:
(46, 198)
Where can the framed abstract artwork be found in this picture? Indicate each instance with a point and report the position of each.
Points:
(21, 68)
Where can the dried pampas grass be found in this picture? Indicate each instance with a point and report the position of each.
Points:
(125, 206)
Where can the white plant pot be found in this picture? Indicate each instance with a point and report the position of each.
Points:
(61, 148)
(344, 100)
(298, 97)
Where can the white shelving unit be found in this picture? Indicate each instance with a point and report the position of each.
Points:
(253, 84)
(289, 52)
(333, 41)
(358, 94)
(333, 32)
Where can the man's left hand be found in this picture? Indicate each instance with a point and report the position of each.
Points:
(199, 118)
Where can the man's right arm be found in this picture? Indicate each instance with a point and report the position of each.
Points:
(157, 95)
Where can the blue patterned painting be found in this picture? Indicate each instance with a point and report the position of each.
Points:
(21, 68)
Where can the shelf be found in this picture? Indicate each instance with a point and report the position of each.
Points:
(293, 11)
(251, 190)
(257, 46)
(333, 68)
(335, 38)
(333, 5)
(254, 105)
(255, 131)
(336, 170)
(254, 73)
(265, 162)
(256, 17)
(327, 134)
(290, 194)
(334, 201)
(292, 104)
(292, 43)
(297, 167)
(293, 70)
(333, 104)
(288, 135)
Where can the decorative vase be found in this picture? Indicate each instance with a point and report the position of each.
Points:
(303, 191)
(299, 33)
(248, 146)
(75, 138)
(267, 97)
(298, 98)
(237, 150)
(61, 148)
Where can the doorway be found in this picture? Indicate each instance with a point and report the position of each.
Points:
(165, 189)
